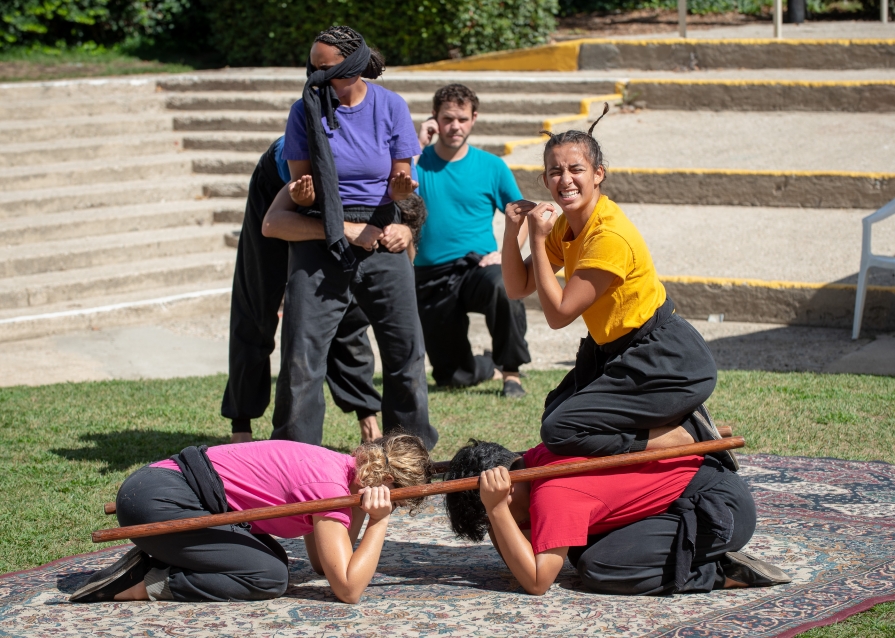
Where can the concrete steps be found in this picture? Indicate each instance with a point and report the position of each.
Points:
(51, 200)
(25, 131)
(79, 149)
(112, 248)
(119, 193)
(39, 292)
(118, 219)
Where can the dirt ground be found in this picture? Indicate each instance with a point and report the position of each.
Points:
(643, 22)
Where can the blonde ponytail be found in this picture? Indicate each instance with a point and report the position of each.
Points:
(400, 457)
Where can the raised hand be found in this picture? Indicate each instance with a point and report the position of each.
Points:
(516, 211)
(494, 487)
(302, 191)
(401, 186)
(541, 219)
(428, 129)
(376, 501)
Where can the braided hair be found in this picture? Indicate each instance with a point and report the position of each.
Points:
(591, 147)
(347, 41)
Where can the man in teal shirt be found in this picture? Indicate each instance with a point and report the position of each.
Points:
(457, 263)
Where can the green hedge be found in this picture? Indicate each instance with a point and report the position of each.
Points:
(90, 23)
(280, 32)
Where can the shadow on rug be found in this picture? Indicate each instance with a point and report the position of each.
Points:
(829, 523)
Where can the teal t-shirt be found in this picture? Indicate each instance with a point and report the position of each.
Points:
(461, 198)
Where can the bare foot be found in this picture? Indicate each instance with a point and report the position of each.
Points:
(369, 429)
(669, 436)
(137, 592)
(241, 437)
(730, 583)
(497, 376)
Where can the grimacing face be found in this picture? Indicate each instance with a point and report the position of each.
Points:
(570, 177)
(455, 123)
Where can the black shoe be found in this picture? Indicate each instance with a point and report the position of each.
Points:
(752, 571)
(708, 432)
(126, 572)
(512, 390)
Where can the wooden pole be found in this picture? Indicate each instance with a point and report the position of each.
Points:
(445, 487)
(440, 467)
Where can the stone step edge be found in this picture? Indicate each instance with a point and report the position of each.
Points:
(830, 305)
(732, 187)
(118, 314)
(573, 55)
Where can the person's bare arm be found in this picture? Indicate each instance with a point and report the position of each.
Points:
(396, 237)
(283, 222)
(400, 184)
(536, 573)
(349, 572)
(518, 277)
(313, 558)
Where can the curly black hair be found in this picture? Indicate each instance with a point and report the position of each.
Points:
(413, 215)
(465, 510)
(347, 41)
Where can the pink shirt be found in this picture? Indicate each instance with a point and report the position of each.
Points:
(266, 473)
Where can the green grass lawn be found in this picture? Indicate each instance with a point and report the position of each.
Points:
(18, 65)
(67, 448)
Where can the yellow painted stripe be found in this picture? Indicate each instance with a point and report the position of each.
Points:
(549, 123)
(725, 171)
(743, 42)
(758, 283)
(804, 83)
(761, 283)
(562, 56)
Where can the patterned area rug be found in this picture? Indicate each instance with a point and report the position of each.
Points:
(829, 523)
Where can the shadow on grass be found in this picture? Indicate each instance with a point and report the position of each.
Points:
(122, 450)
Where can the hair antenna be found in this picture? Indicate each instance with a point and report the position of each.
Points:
(590, 131)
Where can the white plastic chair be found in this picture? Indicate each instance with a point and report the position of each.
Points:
(868, 260)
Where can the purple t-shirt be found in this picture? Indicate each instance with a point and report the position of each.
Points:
(369, 137)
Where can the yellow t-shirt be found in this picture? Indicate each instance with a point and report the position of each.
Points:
(612, 243)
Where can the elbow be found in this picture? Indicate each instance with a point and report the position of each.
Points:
(557, 323)
(516, 294)
(537, 589)
(349, 598)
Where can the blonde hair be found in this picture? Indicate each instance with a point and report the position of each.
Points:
(401, 457)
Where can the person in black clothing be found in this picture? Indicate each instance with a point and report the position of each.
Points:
(259, 282)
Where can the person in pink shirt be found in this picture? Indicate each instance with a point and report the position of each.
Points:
(244, 562)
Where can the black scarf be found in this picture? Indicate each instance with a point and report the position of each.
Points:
(323, 166)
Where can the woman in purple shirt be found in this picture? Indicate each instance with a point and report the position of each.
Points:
(349, 145)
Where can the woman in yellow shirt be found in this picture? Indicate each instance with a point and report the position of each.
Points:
(642, 370)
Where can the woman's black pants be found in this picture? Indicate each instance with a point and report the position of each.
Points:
(618, 392)
(259, 282)
(318, 295)
(226, 563)
(640, 559)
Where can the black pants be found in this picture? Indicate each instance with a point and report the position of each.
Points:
(616, 393)
(226, 563)
(445, 294)
(318, 294)
(259, 281)
(639, 559)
